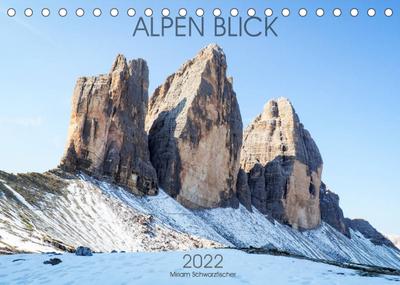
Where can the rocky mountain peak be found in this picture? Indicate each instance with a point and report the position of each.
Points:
(212, 52)
(119, 64)
(280, 133)
(106, 134)
(195, 132)
(213, 47)
(284, 166)
(273, 106)
(210, 58)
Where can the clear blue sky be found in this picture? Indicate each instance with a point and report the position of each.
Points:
(342, 75)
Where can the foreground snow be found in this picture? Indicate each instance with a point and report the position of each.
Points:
(105, 217)
(156, 268)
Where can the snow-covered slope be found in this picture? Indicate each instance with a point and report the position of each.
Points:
(156, 268)
(252, 229)
(81, 213)
(105, 217)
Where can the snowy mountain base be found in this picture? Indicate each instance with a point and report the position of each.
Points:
(57, 211)
(168, 268)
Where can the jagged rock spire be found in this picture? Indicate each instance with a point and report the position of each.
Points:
(195, 132)
(284, 166)
(106, 133)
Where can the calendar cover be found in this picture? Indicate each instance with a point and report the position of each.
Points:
(199, 142)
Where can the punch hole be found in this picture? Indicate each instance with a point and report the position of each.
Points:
(28, 12)
(131, 12)
(217, 12)
(251, 12)
(200, 12)
(62, 12)
(388, 12)
(302, 12)
(114, 12)
(11, 12)
(165, 12)
(268, 12)
(97, 12)
(45, 12)
(337, 12)
(80, 12)
(148, 12)
(320, 12)
(182, 12)
(354, 12)
(285, 12)
(234, 12)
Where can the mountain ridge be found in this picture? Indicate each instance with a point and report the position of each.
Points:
(221, 190)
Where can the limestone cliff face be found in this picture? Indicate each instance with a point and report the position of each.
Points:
(284, 166)
(195, 132)
(106, 134)
(331, 212)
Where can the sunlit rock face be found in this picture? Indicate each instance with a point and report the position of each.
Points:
(283, 165)
(195, 132)
(106, 136)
